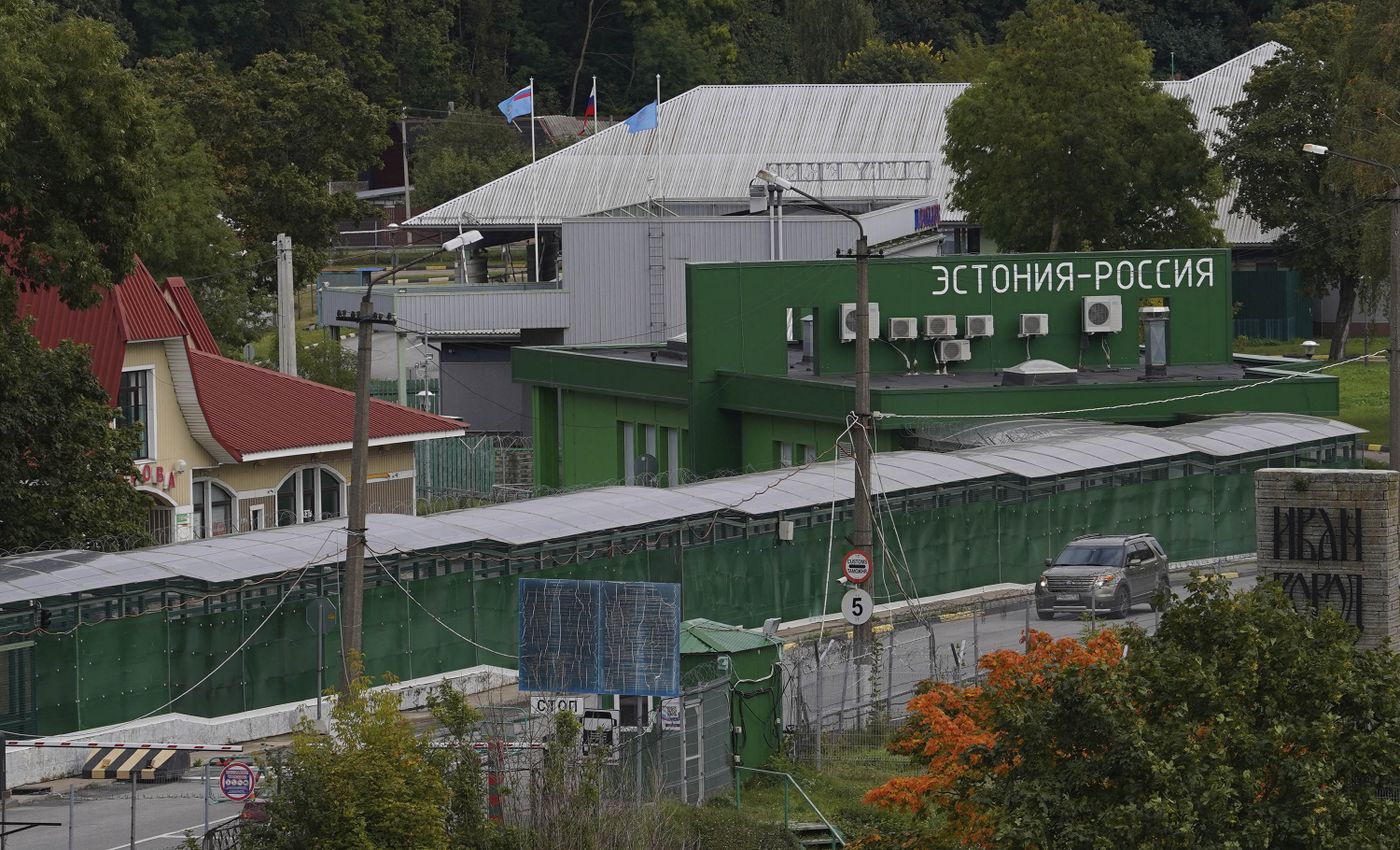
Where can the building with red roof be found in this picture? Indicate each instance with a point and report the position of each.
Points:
(227, 446)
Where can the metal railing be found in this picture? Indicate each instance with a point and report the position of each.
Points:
(838, 839)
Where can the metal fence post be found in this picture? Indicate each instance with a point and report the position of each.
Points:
(133, 809)
(821, 706)
(932, 653)
(889, 673)
(206, 795)
(976, 645)
(1027, 634)
(72, 791)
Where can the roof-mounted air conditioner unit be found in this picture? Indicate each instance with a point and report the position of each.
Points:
(954, 350)
(1103, 314)
(940, 327)
(1035, 324)
(978, 326)
(904, 328)
(848, 322)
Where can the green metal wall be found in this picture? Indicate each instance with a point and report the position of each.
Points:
(1271, 305)
(116, 670)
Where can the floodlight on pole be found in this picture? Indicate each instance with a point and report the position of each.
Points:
(1393, 198)
(863, 432)
(353, 599)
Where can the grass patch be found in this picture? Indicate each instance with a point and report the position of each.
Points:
(1363, 389)
(837, 791)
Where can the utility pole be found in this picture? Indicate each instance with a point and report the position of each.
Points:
(863, 434)
(286, 308)
(1393, 308)
(863, 430)
(353, 592)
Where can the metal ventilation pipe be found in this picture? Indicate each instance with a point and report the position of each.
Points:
(807, 333)
(1154, 322)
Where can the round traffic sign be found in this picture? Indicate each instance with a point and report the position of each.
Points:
(856, 566)
(237, 780)
(857, 606)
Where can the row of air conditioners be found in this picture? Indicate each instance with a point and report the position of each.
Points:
(1101, 314)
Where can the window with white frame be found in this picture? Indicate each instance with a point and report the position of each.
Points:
(215, 508)
(134, 408)
(308, 495)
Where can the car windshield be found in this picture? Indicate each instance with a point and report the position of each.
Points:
(1097, 556)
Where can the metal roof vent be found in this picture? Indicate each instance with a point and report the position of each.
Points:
(1038, 373)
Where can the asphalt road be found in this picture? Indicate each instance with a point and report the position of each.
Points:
(102, 815)
(912, 659)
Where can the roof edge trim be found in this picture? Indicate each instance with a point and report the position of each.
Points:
(346, 446)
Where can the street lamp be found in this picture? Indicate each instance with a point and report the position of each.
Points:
(353, 599)
(1393, 198)
(864, 430)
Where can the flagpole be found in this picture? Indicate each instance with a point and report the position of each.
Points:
(597, 172)
(657, 140)
(535, 200)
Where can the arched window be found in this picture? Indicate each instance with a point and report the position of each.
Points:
(308, 495)
(215, 509)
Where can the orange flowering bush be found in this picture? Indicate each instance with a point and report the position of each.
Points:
(951, 729)
(1241, 722)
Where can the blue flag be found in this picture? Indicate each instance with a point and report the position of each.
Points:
(518, 104)
(645, 119)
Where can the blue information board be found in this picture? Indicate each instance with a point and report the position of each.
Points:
(600, 637)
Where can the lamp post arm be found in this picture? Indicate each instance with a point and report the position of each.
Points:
(384, 275)
(829, 208)
(1389, 169)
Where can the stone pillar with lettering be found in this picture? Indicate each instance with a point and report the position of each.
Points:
(1330, 537)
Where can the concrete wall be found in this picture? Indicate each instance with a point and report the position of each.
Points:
(25, 765)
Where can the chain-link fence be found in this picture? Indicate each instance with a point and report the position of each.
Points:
(842, 708)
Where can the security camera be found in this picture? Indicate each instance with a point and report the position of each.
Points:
(843, 580)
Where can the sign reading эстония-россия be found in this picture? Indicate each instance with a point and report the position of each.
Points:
(1083, 273)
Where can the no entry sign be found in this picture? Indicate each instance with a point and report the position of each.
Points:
(856, 566)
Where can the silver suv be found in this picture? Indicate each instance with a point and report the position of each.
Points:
(1103, 573)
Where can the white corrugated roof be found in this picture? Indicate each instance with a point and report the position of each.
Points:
(711, 140)
(561, 518)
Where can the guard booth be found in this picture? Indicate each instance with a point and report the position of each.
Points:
(755, 683)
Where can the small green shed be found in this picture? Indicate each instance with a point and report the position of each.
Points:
(755, 683)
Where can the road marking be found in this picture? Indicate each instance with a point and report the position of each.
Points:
(175, 833)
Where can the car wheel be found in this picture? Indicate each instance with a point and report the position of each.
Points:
(1122, 603)
(1045, 615)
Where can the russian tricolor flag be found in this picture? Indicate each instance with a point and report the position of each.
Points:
(518, 104)
(590, 109)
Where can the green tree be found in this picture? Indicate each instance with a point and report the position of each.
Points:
(1064, 140)
(65, 469)
(883, 62)
(827, 31)
(1327, 88)
(1240, 719)
(688, 42)
(281, 130)
(469, 149)
(368, 783)
(73, 127)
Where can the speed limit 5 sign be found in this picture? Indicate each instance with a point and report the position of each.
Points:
(856, 566)
(857, 606)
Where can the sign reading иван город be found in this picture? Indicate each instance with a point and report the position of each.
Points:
(1328, 537)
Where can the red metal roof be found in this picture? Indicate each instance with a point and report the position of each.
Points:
(132, 311)
(189, 312)
(97, 327)
(251, 410)
(145, 313)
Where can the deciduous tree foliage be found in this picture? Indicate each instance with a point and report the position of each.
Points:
(1336, 85)
(63, 469)
(882, 62)
(1064, 141)
(369, 783)
(280, 130)
(1240, 723)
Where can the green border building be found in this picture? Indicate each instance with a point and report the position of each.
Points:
(762, 378)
